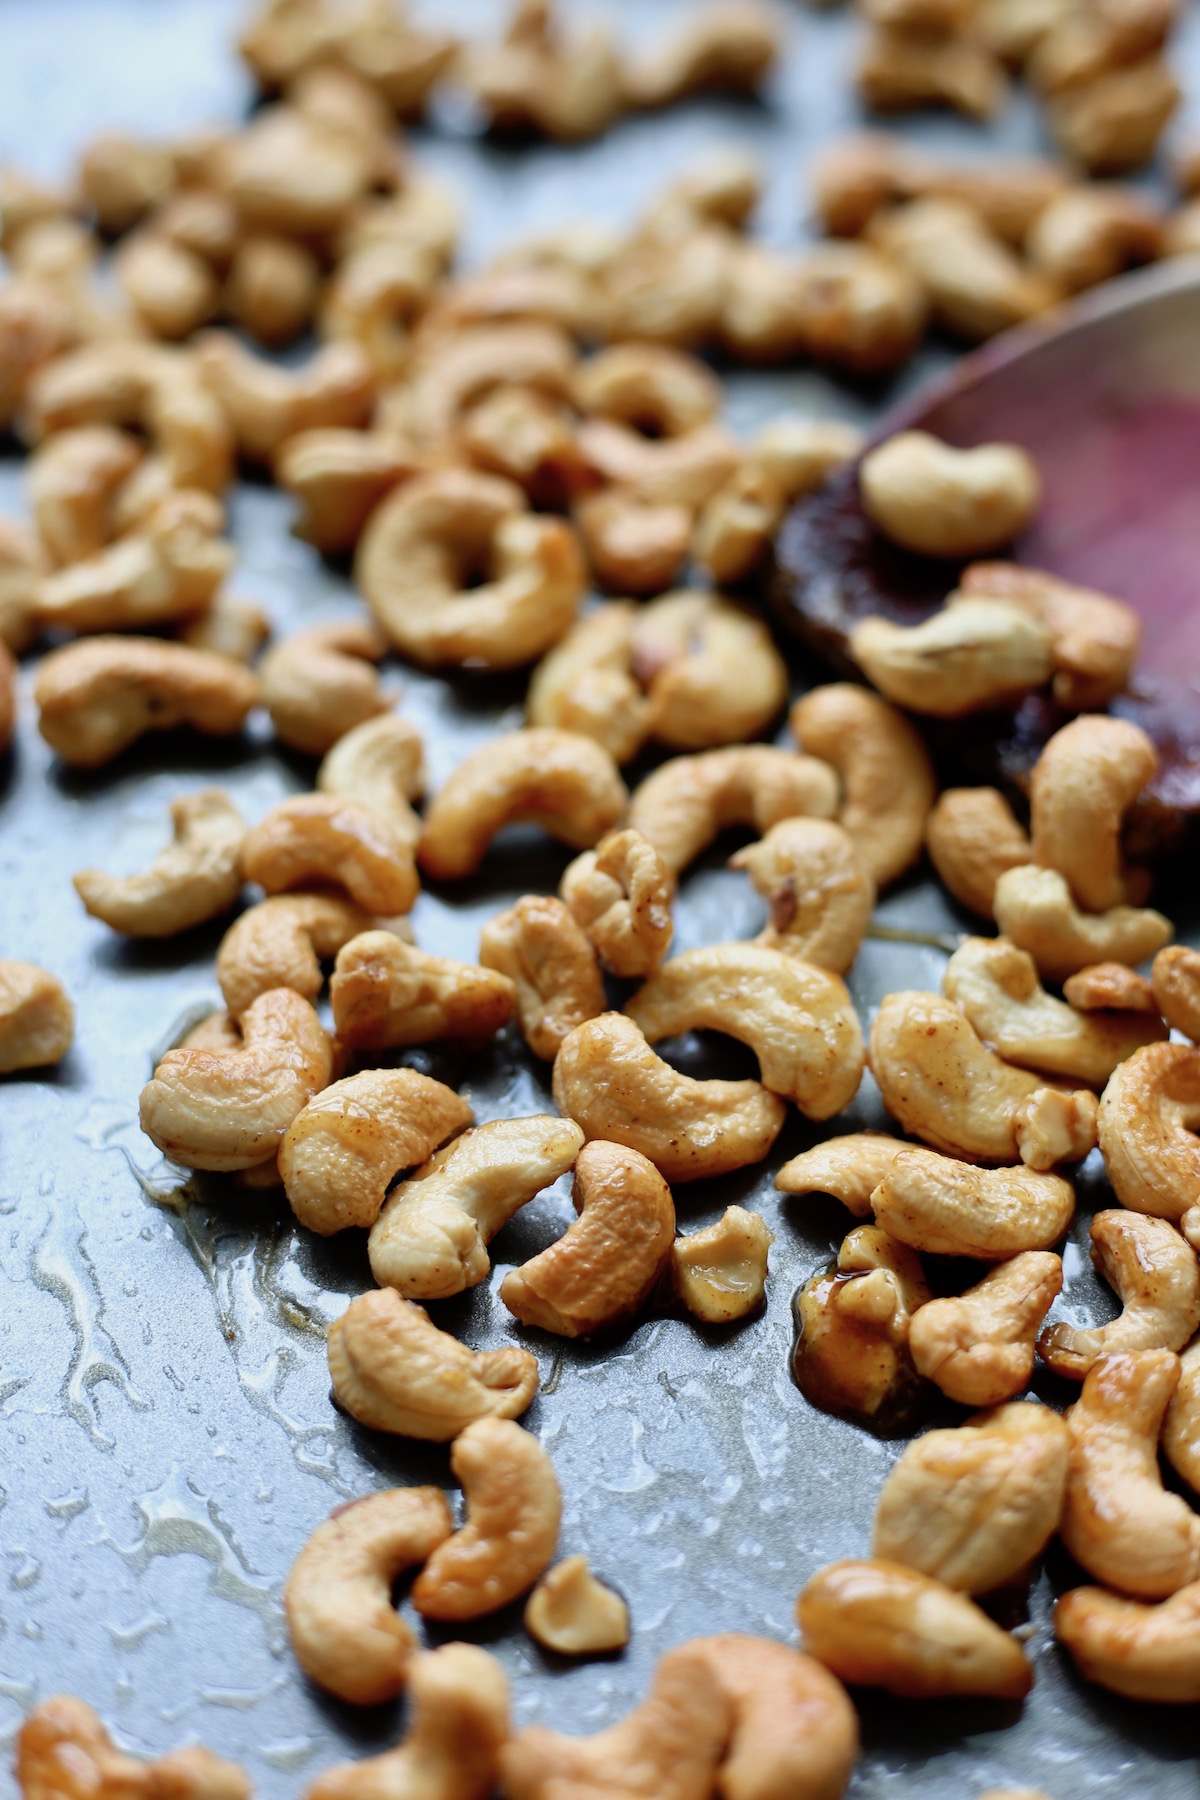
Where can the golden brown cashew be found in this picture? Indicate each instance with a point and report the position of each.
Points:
(602, 1270)
(1034, 907)
(650, 387)
(542, 77)
(513, 1513)
(978, 1348)
(851, 1358)
(1149, 1117)
(392, 1369)
(1109, 987)
(735, 528)
(172, 290)
(197, 877)
(972, 1507)
(348, 1143)
(530, 439)
(1175, 976)
(620, 893)
(452, 374)
(96, 698)
(573, 1614)
(37, 1019)
(1143, 1652)
(563, 782)
(956, 1209)
(321, 838)
(271, 289)
(972, 655)
(385, 992)
(820, 897)
(795, 1733)
(74, 478)
(168, 568)
(1083, 782)
(586, 683)
(232, 627)
(720, 1273)
(887, 779)
(1094, 638)
(338, 477)
(972, 282)
(973, 837)
(719, 48)
(319, 684)
(938, 500)
(862, 310)
(942, 1083)
(381, 764)
(684, 471)
(798, 1020)
(345, 1632)
(279, 943)
(1181, 1428)
(229, 1109)
(878, 1624)
(681, 807)
(1119, 1522)
(607, 1077)
(634, 546)
(850, 1168)
(711, 671)
(1157, 1278)
(548, 957)
(430, 1240)
(458, 1697)
(64, 1753)
(266, 404)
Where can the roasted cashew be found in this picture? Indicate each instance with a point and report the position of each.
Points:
(972, 837)
(22, 565)
(719, 48)
(1181, 1428)
(720, 1273)
(1143, 1652)
(586, 683)
(878, 1624)
(168, 568)
(1119, 1522)
(96, 698)
(349, 1142)
(385, 992)
(943, 1084)
(392, 1369)
(607, 1263)
(734, 531)
(1157, 1278)
(649, 387)
(607, 1078)
(549, 958)
(573, 1614)
(819, 895)
(380, 764)
(901, 68)
(710, 669)
(455, 373)
(1034, 907)
(1149, 1117)
(956, 1209)
(321, 838)
(345, 1632)
(1175, 978)
(540, 76)
(374, 298)
(74, 478)
(684, 471)
(798, 1020)
(681, 807)
(431, 1238)
(279, 943)
(850, 1168)
(64, 1753)
(1088, 775)
(37, 1019)
(887, 779)
(172, 290)
(197, 877)
(972, 655)
(271, 289)
(565, 783)
(862, 311)
(634, 546)
(231, 627)
(1110, 987)
(529, 438)
(122, 177)
(620, 893)
(319, 684)
(978, 1347)
(265, 404)
(972, 1507)
(339, 476)
(942, 501)
(1094, 638)
(851, 1355)
(973, 282)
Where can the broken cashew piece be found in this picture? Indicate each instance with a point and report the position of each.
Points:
(819, 896)
(385, 993)
(37, 1019)
(972, 655)
(1142, 1652)
(319, 684)
(954, 1208)
(549, 959)
(973, 836)
(1086, 778)
(1034, 908)
(851, 1356)
(938, 500)
(849, 1168)
(279, 943)
(97, 697)
(1110, 987)
(63, 1751)
(620, 893)
(1175, 977)
(720, 1273)
(573, 1614)
(198, 877)
(978, 1347)
(1149, 1118)
(1157, 1278)
(381, 765)
(316, 839)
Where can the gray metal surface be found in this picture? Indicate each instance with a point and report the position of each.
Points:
(166, 1436)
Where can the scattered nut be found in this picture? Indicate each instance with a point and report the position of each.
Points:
(168, 568)
(381, 765)
(339, 477)
(1143, 1652)
(271, 288)
(978, 1348)
(620, 893)
(548, 957)
(634, 546)
(322, 838)
(280, 943)
(197, 877)
(319, 684)
(1149, 1116)
(74, 479)
(681, 807)
(266, 403)
(1087, 776)
(1089, 234)
(942, 501)
(819, 897)
(851, 1356)
(862, 311)
(901, 68)
(586, 683)
(1157, 1278)
(1094, 638)
(1110, 987)
(22, 565)
(385, 993)
(955, 1209)
(850, 1168)
(230, 627)
(684, 648)
(972, 655)
(973, 837)
(721, 48)
(37, 1019)
(1181, 1428)
(720, 1273)
(96, 698)
(1034, 907)
(63, 1749)
(573, 1614)
(1175, 977)
(976, 284)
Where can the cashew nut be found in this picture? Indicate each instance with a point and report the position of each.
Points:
(1181, 1428)
(279, 942)
(385, 992)
(197, 877)
(851, 1356)
(271, 289)
(956, 1209)
(168, 568)
(530, 439)
(1094, 638)
(171, 289)
(720, 1273)
(229, 1109)
(64, 1753)
(862, 310)
(938, 500)
(901, 68)
(850, 1168)
(820, 897)
(319, 684)
(348, 1143)
(1175, 977)
(634, 545)
(380, 764)
(37, 1019)
(74, 478)
(649, 387)
(338, 477)
(265, 403)
(231, 627)
(586, 683)
(1149, 1117)
(455, 373)
(620, 893)
(122, 177)
(573, 1614)
(392, 1369)
(345, 1632)
(682, 807)
(22, 565)
(711, 671)
(604, 1267)
(720, 48)
(96, 698)
(972, 655)
(978, 1347)
(974, 283)
(1034, 908)
(315, 839)
(549, 959)
(973, 837)
(684, 471)
(1083, 782)
(1157, 1278)
(734, 531)
(1143, 1652)
(1110, 987)
(431, 1238)
(565, 783)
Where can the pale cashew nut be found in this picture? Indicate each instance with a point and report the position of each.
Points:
(608, 1262)
(682, 807)
(279, 943)
(800, 454)
(64, 1753)
(565, 783)
(1175, 977)
(385, 993)
(347, 1144)
(1085, 779)
(978, 1347)
(973, 837)
(938, 500)
(1034, 907)
(850, 1168)
(172, 290)
(586, 683)
(973, 655)
(22, 565)
(795, 1732)
(1157, 1278)
(710, 669)
(1094, 638)
(1181, 1428)
(345, 1632)
(1110, 987)
(74, 478)
(734, 531)
(972, 281)
(956, 1209)
(168, 568)
(648, 387)
(634, 546)
(319, 684)
(684, 471)
(719, 48)
(820, 897)
(456, 372)
(392, 1369)
(878, 1624)
(265, 404)
(1119, 1522)
(608, 1079)
(798, 1020)
(861, 310)
(96, 698)
(197, 877)
(1149, 1118)
(314, 839)
(37, 1019)
(381, 764)
(720, 1273)
(1143, 1652)
(942, 1083)
(229, 1109)
(620, 893)
(339, 476)
(271, 288)
(972, 1507)
(549, 959)
(430, 1240)
(573, 1614)
(374, 296)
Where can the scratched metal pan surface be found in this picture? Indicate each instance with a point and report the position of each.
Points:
(167, 1441)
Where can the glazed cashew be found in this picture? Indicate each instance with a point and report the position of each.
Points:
(972, 655)
(392, 1369)
(565, 783)
(798, 1020)
(573, 1614)
(975, 284)
(886, 775)
(1110, 987)
(586, 683)
(345, 1632)
(850, 1168)
(37, 1019)
(648, 387)
(1143, 1652)
(1175, 978)
(978, 1348)
(381, 765)
(229, 1109)
(64, 1753)
(1157, 1278)
(1118, 1521)
(266, 404)
(1181, 1428)
(96, 698)
(682, 807)
(548, 957)
(452, 375)
(956, 1209)
(74, 478)
(431, 1238)
(710, 669)
(385, 992)
(319, 684)
(620, 893)
(973, 837)
(1085, 779)
(279, 943)
(720, 1273)
(313, 839)
(607, 1078)
(972, 1507)
(197, 877)
(938, 500)
(820, 897)
(339, 476)
(1034, 907)
(1094, 639)
(169, 568)
(878, 1624)
(1149, 1117)
(851, 1356)
(634, 546)
(943, 1084)
(347, 1144)
(607, 1263)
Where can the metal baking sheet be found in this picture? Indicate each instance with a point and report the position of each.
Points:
(166, 1436)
